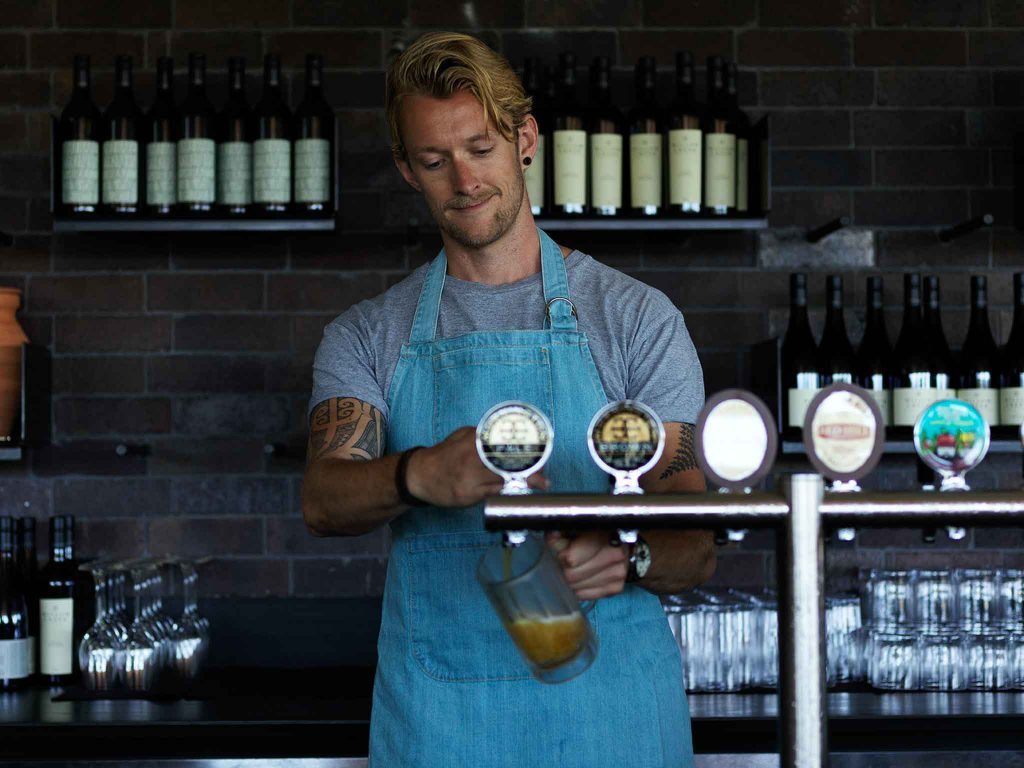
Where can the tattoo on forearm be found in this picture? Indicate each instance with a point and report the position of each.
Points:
(346, 426)
(685, 458)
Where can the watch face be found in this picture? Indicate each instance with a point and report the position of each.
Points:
(514, 438)
(626, 436)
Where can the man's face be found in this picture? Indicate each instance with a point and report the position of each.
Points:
(469, 174)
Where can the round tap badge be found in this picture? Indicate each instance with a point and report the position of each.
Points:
(951, 437)
(736, 439)
(843, 432)
(514, 440)
(626, 438)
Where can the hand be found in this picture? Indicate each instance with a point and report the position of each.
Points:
(592, 566)
(450, 474)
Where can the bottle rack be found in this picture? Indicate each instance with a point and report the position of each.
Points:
(142, 223)
(32, 422)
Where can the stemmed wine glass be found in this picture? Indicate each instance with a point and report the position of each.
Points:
(101, 651)
(142, 648)
(192, 632)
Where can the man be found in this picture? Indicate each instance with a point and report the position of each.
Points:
(400, 382)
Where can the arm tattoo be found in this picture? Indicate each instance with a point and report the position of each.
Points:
(346, 427)
(685, 458)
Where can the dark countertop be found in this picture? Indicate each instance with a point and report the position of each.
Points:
(321, 713)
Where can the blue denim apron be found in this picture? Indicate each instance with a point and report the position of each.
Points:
(451, 689)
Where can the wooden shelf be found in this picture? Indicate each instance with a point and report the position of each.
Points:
(192, 225)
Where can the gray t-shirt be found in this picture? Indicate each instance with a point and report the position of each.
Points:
(637, 336)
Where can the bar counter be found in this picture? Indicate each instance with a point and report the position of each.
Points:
(320, 713)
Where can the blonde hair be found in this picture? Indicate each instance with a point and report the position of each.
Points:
(439, 64)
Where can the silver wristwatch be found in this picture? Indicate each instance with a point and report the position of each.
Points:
(639, 561)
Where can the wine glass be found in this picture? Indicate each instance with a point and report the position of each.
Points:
(101, 650)
(191, 637)
(142, 649)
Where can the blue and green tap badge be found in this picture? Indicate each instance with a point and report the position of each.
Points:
(951, 437)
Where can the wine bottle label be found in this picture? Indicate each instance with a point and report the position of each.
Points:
(14, 659)
(798, 401)
(534, 175)
(120, 172)
(908, 403)
(985, 400)
(161, 174)
(684, 166)
(884, 400)
(720, 178)
(80, 172)
(56, 620)
(312, 171)
(645, 169)
(197, 171)
(945, 393)
(606, 170)
(234, 173)
(33, 666)
(271, 170)
(570, 167)
(1011, 406)
(742, 177)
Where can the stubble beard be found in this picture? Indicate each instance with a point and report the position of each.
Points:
(504, 217)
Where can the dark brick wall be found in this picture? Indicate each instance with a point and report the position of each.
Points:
(897, 113)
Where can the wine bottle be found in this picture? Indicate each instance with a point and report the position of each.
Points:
(197, 150)
(161, 150)
(685, 142)
(58, 587)
(605, 131)
(79, 134)
(913, 384)
(874, 357)
(569, 140)
(28, 568)
(272, 147)
(234, 146)
(534, 175)
(719, 144)
(978, 373)
(942, 366)
(1011, 378)
(742, 124)
(314, 145)
(121, 131)
(645, 143)
(14, 644)
(836, 361)
(800, 377)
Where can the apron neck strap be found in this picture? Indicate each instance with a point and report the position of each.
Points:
(560, 313)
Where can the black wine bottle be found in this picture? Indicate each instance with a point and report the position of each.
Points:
(874, 356)
(913, 384)
(719, 144)
(79, 135)
(534, 175)
(1011, 378)
(685, 142)
(645, 143)
(197, 149)
(605, 135)
(569, 144)
(314, 145)
(234, 146)
(942, 365)
(800, 377)
(978, 372)
(836, 361)
(161, 150)
(742, 123)
(122, 130)
(272, 147)
(28, 568)
(14, 620)
(58, 586)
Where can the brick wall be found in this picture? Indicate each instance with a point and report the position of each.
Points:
(897, 113)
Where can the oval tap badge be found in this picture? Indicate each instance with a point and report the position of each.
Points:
(626, 439)
(736, 440)
(951, 437)
(514, 440)
(844, 432)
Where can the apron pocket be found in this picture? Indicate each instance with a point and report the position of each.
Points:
(456, 635)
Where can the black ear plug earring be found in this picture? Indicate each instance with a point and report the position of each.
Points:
(527, 160)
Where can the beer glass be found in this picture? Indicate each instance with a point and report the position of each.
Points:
(539, 610)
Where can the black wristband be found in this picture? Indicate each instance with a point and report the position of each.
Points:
(400, 482)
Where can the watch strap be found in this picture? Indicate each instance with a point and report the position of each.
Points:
(401, 483)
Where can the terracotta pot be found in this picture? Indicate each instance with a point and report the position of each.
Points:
(11, 339)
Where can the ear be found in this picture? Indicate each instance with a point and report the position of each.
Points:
(528, 133)
(407, 174)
